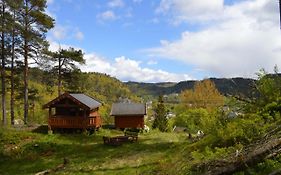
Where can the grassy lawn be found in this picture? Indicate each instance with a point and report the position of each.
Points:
(26, 152)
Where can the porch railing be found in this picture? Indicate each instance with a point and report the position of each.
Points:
(74, 122)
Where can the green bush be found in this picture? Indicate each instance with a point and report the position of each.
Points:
(241, 130)
(216, 153)
(197, 119)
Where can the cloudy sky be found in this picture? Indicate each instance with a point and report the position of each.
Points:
(169, 40)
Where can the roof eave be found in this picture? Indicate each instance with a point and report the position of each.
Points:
(66, 94)
(54, 100)
(94, 107)
(127, 114)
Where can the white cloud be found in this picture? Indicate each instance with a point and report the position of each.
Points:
(244, 38)
(129, 70)
(59, 32)
(50, 2)
(123, 68)
(95, 63)
(107, 15)
(191, 10)
(116, 3)
(54, 46)
(79, 35)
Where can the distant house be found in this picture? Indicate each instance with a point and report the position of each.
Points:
(128, 115)
(73, 110)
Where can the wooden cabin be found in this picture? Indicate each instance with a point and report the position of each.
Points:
(73, 110)
(128, 115)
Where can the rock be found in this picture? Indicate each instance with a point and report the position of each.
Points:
(19, 122)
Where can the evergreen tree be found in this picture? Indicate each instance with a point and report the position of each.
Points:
(14, 35)
(3, 61)
(160, 119)
(66, 59)
(77, 81)
(6, 22)
(34, 23)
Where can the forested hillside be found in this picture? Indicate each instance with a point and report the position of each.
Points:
(43, 88)
(232, 86)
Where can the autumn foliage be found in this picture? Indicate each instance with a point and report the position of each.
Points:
(203, 95)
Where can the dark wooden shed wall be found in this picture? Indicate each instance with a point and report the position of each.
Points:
(129, 121)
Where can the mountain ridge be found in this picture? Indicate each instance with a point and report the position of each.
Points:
(237, 86)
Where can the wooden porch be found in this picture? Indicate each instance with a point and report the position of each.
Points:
(74, 122)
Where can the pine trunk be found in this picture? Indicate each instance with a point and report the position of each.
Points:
(59, 77)
(25, 76)
(25, 82)
(12, 76)
(4, 117)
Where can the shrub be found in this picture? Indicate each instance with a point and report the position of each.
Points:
(241, 130)
(197, 119)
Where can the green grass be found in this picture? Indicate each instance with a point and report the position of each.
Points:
(24, 152)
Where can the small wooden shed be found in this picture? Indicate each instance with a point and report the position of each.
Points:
(128, 115)
(74, 110)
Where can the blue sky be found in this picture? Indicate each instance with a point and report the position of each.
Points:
(169, 40)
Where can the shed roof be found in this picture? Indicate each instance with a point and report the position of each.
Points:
(78, 98)
(128, 109)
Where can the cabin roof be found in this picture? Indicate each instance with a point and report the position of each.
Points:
(79, 98)
(126, 109)
(86, 100)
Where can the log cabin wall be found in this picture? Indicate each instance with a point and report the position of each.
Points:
(129, 121)
(97, 118)
(94, 112)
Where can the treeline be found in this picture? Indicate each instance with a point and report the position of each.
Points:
(24, 24)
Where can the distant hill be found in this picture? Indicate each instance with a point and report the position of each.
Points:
(154, 89)
(226, 86)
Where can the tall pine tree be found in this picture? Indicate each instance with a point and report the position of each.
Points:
(65, 59)
(3, 58)
(34, 24)
(14, 6)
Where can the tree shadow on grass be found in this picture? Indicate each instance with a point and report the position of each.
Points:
(42, 129)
